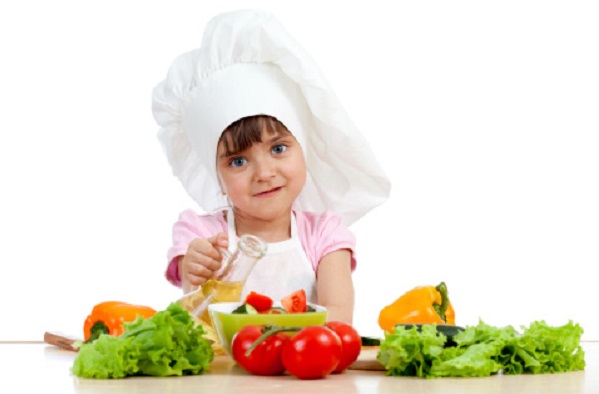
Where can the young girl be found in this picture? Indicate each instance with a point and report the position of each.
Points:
(259, 140)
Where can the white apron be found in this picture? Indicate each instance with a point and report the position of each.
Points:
(283, 270)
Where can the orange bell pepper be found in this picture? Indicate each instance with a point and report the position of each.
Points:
(108, 318)
(421, 305)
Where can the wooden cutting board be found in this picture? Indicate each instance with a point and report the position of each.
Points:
(367, 360)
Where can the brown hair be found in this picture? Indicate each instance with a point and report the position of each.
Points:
(243, 133)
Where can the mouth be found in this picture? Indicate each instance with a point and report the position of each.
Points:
(268, 193)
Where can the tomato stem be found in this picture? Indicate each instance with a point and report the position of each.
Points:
(268, 331)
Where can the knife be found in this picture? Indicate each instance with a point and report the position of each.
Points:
(61, 340)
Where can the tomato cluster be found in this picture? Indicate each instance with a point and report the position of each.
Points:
(311, 353)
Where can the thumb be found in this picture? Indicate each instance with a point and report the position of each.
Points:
(220, 240)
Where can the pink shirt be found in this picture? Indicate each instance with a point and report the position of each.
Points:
(319, 234)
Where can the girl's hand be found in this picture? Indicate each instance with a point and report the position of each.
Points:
(201, 260)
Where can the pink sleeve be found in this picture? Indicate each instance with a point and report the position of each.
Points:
(321, 234)
(189, 227)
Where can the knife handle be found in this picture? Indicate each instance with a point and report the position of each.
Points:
(61, 340)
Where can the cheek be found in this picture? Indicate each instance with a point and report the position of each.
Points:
(221, 182)
(299, 174)
(302, 167)
(228, 182)
(302, 177)
(229, 186)
(237, 188)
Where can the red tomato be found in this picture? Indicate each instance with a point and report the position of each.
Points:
(351, 344)
(312, 353)
(265, 359)
(259, 301)
(295, 302)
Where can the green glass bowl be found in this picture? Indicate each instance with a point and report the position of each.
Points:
(227, 324)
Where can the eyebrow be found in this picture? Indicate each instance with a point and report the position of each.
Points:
(277, 137)
(225, 155)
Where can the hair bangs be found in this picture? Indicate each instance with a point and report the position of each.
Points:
(245, 132)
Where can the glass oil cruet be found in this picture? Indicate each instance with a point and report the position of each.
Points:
(227, 283)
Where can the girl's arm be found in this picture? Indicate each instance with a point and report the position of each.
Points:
(335, 287)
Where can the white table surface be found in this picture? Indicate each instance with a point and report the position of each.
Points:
(39, 367)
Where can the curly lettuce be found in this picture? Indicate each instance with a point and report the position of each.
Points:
(168, 343)
(482, 350)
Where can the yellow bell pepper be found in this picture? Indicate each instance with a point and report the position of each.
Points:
(421, 305)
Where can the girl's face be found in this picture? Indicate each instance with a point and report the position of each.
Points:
(263, 180)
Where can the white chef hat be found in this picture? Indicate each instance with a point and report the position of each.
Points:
(247, 65)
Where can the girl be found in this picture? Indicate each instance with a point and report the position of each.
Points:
(258, 139)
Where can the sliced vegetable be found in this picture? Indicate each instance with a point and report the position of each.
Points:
(245, 309)
(370, 341)
(274, 311)
(259, 301)
(295, 302)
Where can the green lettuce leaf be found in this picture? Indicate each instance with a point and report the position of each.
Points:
(482, 350)
(409, 352)
(105, 358)
(168, 343)
(545, 349)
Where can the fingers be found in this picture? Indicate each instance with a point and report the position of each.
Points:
(203, 259)
(196, 274)
(203, 252)
(220, 240)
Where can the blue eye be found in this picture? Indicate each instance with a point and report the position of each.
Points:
(279, 148)
(237, 161)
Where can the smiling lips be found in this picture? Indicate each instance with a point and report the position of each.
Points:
(268, 193)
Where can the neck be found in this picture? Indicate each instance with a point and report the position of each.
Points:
(271, 230)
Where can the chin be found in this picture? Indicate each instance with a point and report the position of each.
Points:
(272, 213)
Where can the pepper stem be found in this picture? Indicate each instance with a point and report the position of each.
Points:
(441, 308)
(97, 329)
(269, 330)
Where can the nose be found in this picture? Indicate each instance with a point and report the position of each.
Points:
(265, 168)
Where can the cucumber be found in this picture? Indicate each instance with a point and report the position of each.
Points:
(245, 309)
(370, 341)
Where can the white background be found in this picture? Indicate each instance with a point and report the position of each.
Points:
(485, 117)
